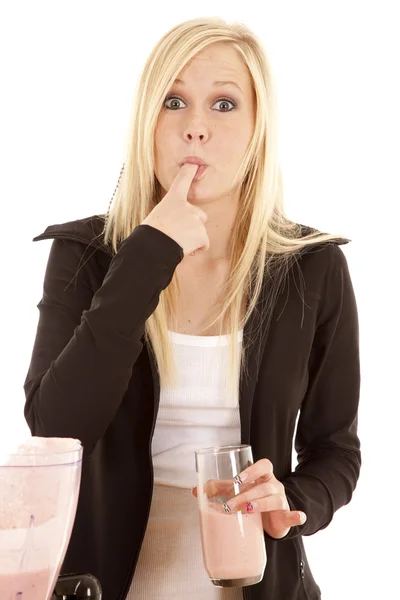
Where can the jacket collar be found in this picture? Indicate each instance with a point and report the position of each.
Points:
(90, 231)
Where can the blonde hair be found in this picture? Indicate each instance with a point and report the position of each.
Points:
(263, 240)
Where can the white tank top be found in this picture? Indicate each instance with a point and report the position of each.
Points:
(195, 414)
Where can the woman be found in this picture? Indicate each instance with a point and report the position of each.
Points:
(197, 314)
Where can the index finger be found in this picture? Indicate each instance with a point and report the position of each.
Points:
(182, 182)
(262, 468)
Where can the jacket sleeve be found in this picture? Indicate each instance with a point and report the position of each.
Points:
(326, 441)
(88, 341)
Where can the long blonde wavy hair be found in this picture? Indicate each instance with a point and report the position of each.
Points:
(263, 238)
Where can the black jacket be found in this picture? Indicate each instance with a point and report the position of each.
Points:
(92, 377)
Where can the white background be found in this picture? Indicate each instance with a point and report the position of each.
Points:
(68, 74)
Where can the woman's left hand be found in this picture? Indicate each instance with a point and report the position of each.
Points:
(264, 493)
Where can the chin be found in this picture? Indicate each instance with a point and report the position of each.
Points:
(197, 191)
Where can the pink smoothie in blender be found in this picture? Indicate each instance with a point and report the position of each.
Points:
(39, 488)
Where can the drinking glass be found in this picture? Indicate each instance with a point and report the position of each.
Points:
(233, 544)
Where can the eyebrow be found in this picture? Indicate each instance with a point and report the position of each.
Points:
(219, 83)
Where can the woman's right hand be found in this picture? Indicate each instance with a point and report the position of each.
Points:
(179, 219)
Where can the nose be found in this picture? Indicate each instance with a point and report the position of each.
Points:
(195, 135)
(195, 130)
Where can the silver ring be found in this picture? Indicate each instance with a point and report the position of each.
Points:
(238, 480)
(226, 508)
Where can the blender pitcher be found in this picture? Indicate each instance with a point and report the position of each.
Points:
(39, 488)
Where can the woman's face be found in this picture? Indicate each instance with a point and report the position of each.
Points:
(213, 122)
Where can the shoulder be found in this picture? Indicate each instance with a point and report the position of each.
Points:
(87, 231)
(324, 277)
(319, 272)
(75, 254)
(322, 257)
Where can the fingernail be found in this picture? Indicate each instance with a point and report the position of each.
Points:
(229, 506)
(303, 517)
(240, 478)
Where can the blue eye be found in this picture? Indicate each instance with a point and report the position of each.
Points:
(171, 97)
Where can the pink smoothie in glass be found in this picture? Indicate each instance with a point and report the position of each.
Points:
(233, 544)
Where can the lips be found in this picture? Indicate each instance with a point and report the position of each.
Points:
(193, 160)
